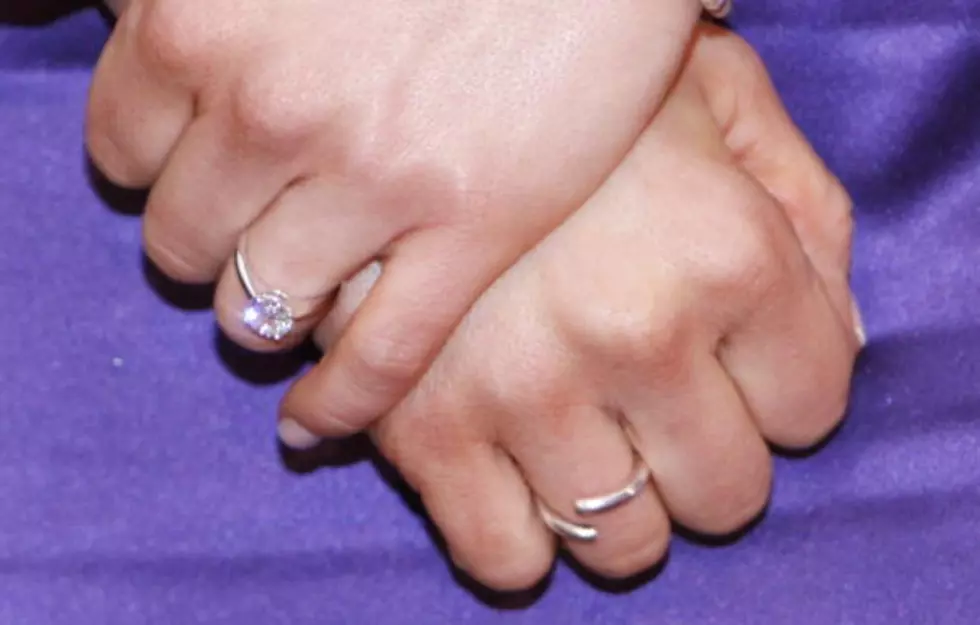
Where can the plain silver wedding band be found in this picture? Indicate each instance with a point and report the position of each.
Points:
(595, 505)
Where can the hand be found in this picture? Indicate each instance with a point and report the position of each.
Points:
(445, 138)
(695, 308)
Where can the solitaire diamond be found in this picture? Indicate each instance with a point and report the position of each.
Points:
(269, 316)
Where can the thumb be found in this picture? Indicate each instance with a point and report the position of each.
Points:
(769, 146)
(350, 296)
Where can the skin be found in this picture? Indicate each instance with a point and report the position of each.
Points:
(445, 138)
(694, 309)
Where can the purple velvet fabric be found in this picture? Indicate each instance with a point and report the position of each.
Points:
(139, 476)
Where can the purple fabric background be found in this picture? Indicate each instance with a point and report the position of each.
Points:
(139, 476)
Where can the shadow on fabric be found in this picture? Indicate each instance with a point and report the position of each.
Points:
(39, 12)
(128, 202)
(939, 139)
(358, 449)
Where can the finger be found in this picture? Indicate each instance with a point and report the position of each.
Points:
(659, 320)
(797, 336)
(578, 451)
(771, 148)
(711, 466)
(807, 329)
(134, 120)
(426, 286)
(207, 195)
(472, 491)
(316, 234)
(350, 296)
(486, 515)
(475, 494)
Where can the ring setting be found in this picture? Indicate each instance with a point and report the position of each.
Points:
(268, 314)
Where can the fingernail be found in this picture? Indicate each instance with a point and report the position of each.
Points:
(859, 332)
(295, 436)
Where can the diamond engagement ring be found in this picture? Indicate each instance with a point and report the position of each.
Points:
(595, 505)
(268, 314)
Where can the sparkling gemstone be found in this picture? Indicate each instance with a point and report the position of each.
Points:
(269, 316)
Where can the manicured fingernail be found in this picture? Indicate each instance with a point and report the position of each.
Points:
(862, 337)
(295, 436)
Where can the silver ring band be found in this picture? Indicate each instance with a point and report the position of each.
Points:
(567, 529)
(604, 503)
(595, 505)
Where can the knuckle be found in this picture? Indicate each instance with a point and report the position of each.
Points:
(269, 111)
(625, 329)
(629, 321)
(744, 64)
(659, 339)
(748, 265)
(532, 374)
(386, 361)
(172, 37)
(538, 384)
(745, 264)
